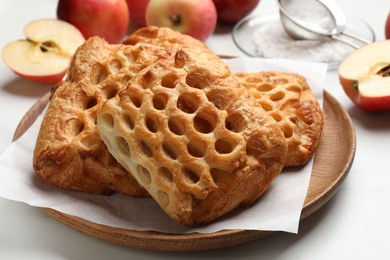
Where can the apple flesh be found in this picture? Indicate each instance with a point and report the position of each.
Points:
(196, 18)
(108, 19)
(45, 54)
(365, 76)
(232, 11)
(137, 10)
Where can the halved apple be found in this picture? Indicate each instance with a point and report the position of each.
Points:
(45, 54)
(365, 76)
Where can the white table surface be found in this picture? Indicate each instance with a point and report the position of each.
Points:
(354, 224)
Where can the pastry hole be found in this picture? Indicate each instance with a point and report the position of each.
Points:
(108, 120)
(146, 149)
(151, 124)
(253, 80)
(294, 88)
(115, 66)
(293, 119)
(123, 145)
(169, 81)
(88, 141)
(187, 103)
(128, 121)
(278, 117)
(190, 176)
(76, 127)
(235, 123)
(136, 100)
(144, 175)
(176, 126)
(169, 151)
(204, 123)
(196, 149)
(197, 79)
(99, 73)
(256, 94)
(163, 198)
(91, 102)
(218, 175)
(109, 92)
(288, 131)
(277, 96)
(160, 101)
(223, 146)
(218, 100)
(165, 174)
(264, 87)
(281, 81)
(265, 105)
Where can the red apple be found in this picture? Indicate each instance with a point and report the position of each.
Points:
(365, 76)
(196, 18)
(232, 11)
(45, 54)
(387, 27)
(137, 9)
(108, 19)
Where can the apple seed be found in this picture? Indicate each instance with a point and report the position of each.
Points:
(47, 46)
(384, 72)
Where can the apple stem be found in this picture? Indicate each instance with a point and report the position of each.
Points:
(355, 84)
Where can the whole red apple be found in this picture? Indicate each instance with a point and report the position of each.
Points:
(387, 27)
(196, 18)
(137, 9)
(232, 11)
(108, 19)
(365, 76)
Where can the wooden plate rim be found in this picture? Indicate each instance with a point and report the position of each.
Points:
(197, 241)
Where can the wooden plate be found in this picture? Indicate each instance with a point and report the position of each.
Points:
(331, 165)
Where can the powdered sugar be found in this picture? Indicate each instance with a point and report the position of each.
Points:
(271, 41)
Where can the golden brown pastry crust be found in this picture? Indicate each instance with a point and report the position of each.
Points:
(289, 100)
(69, 152)
(192, 136)
(286, 96)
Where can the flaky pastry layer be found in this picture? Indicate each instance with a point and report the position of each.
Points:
(192, 136)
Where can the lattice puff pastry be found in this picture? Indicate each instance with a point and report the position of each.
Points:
(191, 135)
(69, 152)
(289, 100)
(285, 96)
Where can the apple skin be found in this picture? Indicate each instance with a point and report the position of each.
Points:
(372, 104)
(387, 27)
(108, 19)
(45, 54)
(365, 76)
(196, 18)
(53, 78)
(137, 10)
(232, 11)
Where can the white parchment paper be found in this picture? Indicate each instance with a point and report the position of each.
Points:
(278, 209)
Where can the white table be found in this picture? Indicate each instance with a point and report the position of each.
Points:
(354, 224)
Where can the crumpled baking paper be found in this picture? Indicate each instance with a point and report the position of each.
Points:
(278, 209)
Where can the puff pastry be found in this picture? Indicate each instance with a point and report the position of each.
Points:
(69, 152)
(192, 136)
(285, 96)
(289, 100)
